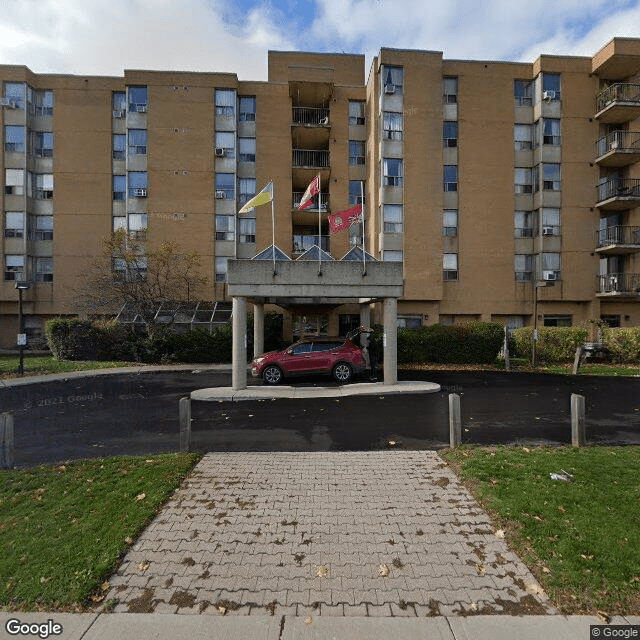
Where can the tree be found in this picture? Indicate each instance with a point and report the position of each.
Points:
(127, 272)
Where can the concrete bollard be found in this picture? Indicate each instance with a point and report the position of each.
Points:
(578, 432)
(185, 424)
(6, 441)
(455, 421)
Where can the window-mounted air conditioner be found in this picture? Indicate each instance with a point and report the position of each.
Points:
(547, 231)
(220, 195)
(549, 275)
(324, 121)
(117, 113)
(219, 151)
(141, 108)
(140, 193)
(548, 95)
(389, 88)
(8, 102)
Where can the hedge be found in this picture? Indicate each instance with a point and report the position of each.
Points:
(555, 344)
(622, 343)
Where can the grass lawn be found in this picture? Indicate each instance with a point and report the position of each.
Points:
(37, 365)
(63, 528)
(580, 539)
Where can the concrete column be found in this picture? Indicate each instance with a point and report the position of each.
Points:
(258, 329)
(239, 351)
(333, 323)
(390, 340)
(365, 315)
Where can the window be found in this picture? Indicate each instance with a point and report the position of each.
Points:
(137, 184)
(247, 149)
(42, 103)
(450, 266)
(41, 144)
(137, 222)
(137, 99)
(356, 152)
(392, 125)
(523, 264)
(225, 102)
(119, 222)
(119, 103)
(137, 141)
(225, 186)
(43, 186)
(356, 112)
(14, 138)
(450, 133)
(393, 79)
(450, 90)
(392, 218)
(550, 86)
(14, 224)
(392, 256)
(557, 321)
(522, 135)
(450, 177)
(550, 221)
(246, 189)
(14, 268)
(523, 180)
(44, 269)
(43, 228)
(247, 108)
(550, 265)
(119, 187)
(551, 177)
(356, 192)
(523, 92)
(247, 230)
(523, 224)
(450, 222)
(16, 91)
(611, 321)
(355, 234)
(515, 322)
(392, 172)
(221, 269)
(225, 228)
(119, 144)
(225, 143)
(409, 322)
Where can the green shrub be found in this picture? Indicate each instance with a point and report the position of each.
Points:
(622, 343)
(555, 344)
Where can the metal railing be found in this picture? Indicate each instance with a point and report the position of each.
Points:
(619, 188)
(311, 116)
(324, 197)
(618, 234)
(310, 158)
(619, 283)
(618, 141)
(618, 92)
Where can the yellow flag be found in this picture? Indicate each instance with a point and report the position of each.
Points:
(266, 195)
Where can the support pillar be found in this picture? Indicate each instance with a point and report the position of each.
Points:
(258, 329)
(390, 340)
(239, 350)
(365, 314)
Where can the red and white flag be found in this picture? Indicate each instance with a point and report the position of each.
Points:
(344, 219)
(312, 190)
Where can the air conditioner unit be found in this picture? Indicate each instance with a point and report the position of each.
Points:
(548, 95)
(141, 108)
(614, 144)
(324, 122)
(548, 231)
(549, 275)
(118, 113)
(220, 195)
(389, 88)
(219, 152)
(140, 193)
(8, 102)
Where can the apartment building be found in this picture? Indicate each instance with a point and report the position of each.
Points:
(508, 191)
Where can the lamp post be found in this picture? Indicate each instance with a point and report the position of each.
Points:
(22, 336)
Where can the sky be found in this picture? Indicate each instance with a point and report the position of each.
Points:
(105, 37)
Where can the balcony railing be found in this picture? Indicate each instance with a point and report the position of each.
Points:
(619, 283)
(618, 93)
(311, 116)
(619, 235)
(310, 158)
(619, 190)
(323, 197)
(619, 142)
(302, 243)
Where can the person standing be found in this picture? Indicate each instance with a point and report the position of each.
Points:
(372, 348)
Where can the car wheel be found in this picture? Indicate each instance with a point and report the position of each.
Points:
(272, 374)
(342, 372)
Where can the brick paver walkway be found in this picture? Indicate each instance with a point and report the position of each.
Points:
(358, 533)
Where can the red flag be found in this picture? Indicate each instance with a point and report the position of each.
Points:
(344, 219)
(312, 190)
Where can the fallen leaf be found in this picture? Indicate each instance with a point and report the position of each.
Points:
(561, 509)
(128, 540)
(499, 533)
(481, 569)
(97, 598)
(474, 606)
(322, 571)
(383, 570)
(222, 609)
(141, 496)
(143, 566)
(526, 449)
(546, 570)
(308, 621)
(534, 589)
(105, 586)
(43, 580)
(605, 617)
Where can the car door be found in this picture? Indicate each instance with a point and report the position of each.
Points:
(298, 358)
(323, 355)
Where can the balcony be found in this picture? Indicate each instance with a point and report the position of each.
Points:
(323, 198)
(618, 194)
(619, 284)
(619, 102)
(310, 159)
(618, 240)
(310, 117)
(302, 243)
(618, 149)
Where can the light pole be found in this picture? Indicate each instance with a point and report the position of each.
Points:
(537, 285)
(22, 336)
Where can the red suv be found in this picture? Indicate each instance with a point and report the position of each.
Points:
(340, 357)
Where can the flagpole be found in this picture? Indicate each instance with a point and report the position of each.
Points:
(364, 263)
(319, 228)
(273, 226)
